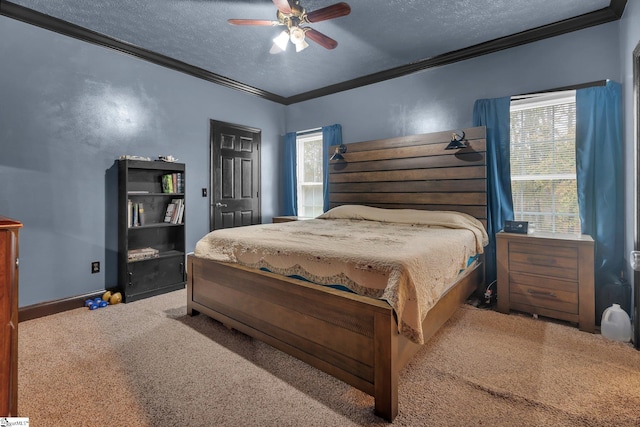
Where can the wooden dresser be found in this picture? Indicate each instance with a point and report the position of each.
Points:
(9, 315)
(549, 274)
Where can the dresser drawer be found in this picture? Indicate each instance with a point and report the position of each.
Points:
(549, 293)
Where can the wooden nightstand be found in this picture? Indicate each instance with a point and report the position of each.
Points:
(284, 219)
(549, 274)
(288, 218)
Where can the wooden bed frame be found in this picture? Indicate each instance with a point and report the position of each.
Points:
(351, 337)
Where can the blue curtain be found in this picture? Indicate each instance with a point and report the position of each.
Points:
(331, 135)
(290, 196)
(600, 179)
(494, 115)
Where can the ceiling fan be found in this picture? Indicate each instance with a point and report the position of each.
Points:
(292, 15)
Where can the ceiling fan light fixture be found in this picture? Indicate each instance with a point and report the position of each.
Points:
(296, 35)
(275, 49)
(291, 14)
(301, 46)
(280, 42)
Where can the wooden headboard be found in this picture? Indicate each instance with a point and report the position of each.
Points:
(413, 172)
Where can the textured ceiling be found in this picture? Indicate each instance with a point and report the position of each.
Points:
(378, 35)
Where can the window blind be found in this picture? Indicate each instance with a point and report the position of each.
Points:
(543, 165)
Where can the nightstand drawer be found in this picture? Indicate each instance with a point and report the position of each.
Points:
(552, 294)
(543, 282)
(561, 262)
(551, 251)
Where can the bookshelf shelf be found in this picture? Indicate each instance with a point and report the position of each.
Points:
(166, 254)
(156, 225)
(151, 252)
(135, 194)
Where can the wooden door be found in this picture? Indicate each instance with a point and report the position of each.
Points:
(235, 176)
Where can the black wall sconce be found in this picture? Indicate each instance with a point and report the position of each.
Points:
(337, 155)
(457, 141)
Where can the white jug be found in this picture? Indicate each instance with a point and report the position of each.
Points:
(616, 324)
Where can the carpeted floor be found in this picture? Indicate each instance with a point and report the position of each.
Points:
(149, 364)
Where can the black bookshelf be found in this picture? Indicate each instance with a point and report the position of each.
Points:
(151, 245)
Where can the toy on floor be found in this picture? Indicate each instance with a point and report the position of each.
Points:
(107, 299)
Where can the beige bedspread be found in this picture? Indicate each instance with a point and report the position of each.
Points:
(408, 258)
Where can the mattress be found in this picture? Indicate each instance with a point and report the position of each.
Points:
(408, 258)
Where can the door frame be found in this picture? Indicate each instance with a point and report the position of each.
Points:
(214, 124)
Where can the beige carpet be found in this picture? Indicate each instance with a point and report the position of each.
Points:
(149, 364)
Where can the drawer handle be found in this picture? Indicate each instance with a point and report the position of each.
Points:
(541, 260)
(542, 294)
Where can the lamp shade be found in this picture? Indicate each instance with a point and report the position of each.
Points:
(280, 42)
(457, 141)
(337, 155)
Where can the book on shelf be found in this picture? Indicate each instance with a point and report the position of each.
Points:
(174, 216)
(141, 220)
(173, 182)
(174, 212)
(180, 182)
(142, 253)
(180, 212)
(135, 214)
(134, 221)
(169, 213)
(167, 183)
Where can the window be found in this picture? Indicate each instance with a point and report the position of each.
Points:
(543, 162)
(309, 174)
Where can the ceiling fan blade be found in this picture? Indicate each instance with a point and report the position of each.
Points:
(334, 11)
(283, 6)
(262, 22)
(321, 39)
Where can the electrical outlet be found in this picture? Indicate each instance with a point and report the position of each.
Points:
(95, 267)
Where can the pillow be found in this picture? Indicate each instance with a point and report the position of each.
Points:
(449, 219)
(350, 212)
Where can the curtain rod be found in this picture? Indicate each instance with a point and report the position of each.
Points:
(305, 132)
(560, 89)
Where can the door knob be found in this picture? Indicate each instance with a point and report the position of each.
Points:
(221, 205)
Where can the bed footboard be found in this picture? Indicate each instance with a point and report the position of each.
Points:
(350, 337)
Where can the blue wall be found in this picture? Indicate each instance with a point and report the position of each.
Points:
(68, 110)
